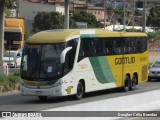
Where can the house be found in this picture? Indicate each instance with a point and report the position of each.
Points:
(78, 6)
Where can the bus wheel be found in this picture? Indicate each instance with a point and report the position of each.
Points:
(42, 98)
(80, 91)
(133, 83)
(126, 84)
(149, 79)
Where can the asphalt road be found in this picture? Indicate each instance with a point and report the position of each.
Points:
(16, 102)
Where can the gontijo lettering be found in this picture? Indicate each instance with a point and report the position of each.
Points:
(124, 60)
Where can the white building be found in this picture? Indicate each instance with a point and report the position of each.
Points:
(29, 10)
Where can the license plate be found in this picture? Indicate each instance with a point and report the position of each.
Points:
(38, 92)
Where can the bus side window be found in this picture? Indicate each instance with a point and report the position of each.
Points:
(84, 50)
(117, 46)
(107, 47)
(98, 43)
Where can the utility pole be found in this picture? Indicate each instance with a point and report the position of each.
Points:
(66, 16)
(104, 14)
(133, 15)
(3, 69)
(144, 16)
(2, 3)
(124, 15)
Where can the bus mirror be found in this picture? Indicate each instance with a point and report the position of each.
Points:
(63, 54)
(24, 63)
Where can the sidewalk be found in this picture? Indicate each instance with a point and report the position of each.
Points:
(147, 101)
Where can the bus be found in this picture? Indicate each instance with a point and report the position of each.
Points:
(14, 33)
(74, 62)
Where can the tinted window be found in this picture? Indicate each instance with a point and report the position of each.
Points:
(135, 45)
(98, 47)
(111, 46)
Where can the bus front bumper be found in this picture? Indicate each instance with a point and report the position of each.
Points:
(53, 91)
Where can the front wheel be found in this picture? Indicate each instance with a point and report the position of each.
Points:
(149, 79)
(80, 91)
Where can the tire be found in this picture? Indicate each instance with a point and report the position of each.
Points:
(126, 84)
(149, 79)
(80, 91)
(42, 98)
(133, 83)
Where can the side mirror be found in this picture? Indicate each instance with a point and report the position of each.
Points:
(63, 54)
(24, 63)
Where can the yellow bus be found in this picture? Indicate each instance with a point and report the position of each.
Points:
(14, 33)
(74, 62)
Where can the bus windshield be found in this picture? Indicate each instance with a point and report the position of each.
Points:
(17, 36)
(42, 62)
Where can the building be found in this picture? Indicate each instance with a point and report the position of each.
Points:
(57, 2)
(78, 6)
(29, 10)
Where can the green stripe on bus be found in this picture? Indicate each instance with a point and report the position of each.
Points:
(102, 69)
(89, 36)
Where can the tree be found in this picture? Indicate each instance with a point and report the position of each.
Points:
(154, 17)
(50, 20)
(47, 21)
(72, 23)
(8, 6)
(89, 18)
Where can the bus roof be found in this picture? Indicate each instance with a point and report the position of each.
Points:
(11, 29)
(62, 35)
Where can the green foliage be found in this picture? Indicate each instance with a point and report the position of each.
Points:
(2, 78)
(89, 18)
(153, 36)
(55, 20)
(47, 21)
(7, 12)
(135, 30)
(72, 23)
(9, 3)
(158, 37)
(26, 35)
(13, 78)
(154, 17)
(9, 83)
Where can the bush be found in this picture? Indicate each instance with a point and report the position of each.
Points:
(2, 78)
(158, 37)
(14, 79)
(9, 83)
(153, 36)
